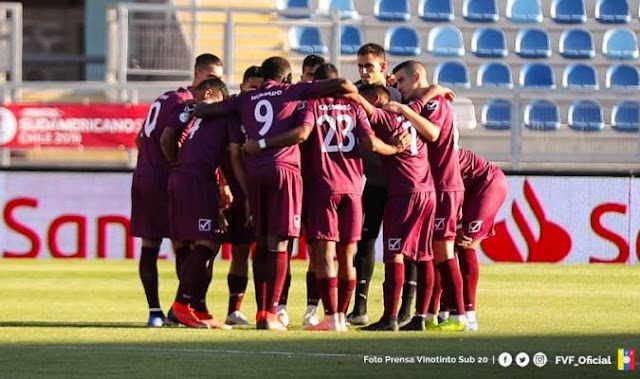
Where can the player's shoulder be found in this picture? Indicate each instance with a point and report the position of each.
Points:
(438, 103)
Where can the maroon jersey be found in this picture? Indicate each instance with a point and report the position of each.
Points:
(270, 111)
(473, 168)
(443, 152)
(408, 171)
(167, 111)
(206, 144)
(332, 158)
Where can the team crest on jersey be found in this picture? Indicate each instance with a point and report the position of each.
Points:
(432, 105)
(394, 244)
(204, 225)
(474, 226)
(439, 224)
(296, 221)
(185, 116)
(302, 104)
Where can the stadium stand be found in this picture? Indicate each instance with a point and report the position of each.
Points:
(307, 40)
(577, 44)
(620, 44)
(392, 10)
(533, 43)
(294, 8)
(496, 114)
(494, 74)
(586, 116)
(402, 41)
(345, 8)
(568, 11)
(580, 76)
(625, 116)
(524, 11)
(445, 41)
(489, 43)
(436, 10)
(542, 114)
(623, 76)
(480, 11)
(537, 75)
(454, 74)
(350, 39)
(613, 11)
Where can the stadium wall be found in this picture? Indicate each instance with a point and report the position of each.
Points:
(558, 219)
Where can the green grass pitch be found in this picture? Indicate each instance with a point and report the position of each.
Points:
(86, 319)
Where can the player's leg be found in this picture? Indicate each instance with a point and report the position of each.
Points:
(327, 285)
(237, 281)
(346, 279)
(148, 271)
(282, 311)
(470, 269)
(310, 316)
(181, 250)
(408, 292)
(392, 288)
(434, 305)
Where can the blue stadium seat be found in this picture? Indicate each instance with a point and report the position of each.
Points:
(613, 11)
(489, 43)
(494, 74)
(307, 40)
(346, 8)
(445, 41)
(453, 74)
(623, 76)
(350, 39)
(625, 116)
(537, 75)
(580, 76)
(524, 11)
(542, 114)
(620, 43)
(403, 41)
(294, 8)
(392, 10)
(533, 43)
(480, 10)
(577, 44)
(568, 11)
(436, 10)
(496, 114)
(586, 116)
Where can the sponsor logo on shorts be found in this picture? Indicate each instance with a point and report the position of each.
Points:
(204, 225)
(393, 244)
(474, 226)
(296, 221)
(439, 224)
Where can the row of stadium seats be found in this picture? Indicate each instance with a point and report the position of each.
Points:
(543, 114)
(537, 75)
(447, 41)
(517, 11)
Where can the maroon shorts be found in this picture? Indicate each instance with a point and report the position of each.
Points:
(408, 226)
(481, 205)
(193, 207)
(237, 231)
(275, 197)
(448, 205)
(336, 217)
(150, 207)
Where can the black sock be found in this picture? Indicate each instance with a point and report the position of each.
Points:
(148, 271)
(181, 255)
(408, 289)
(365, 261)
(284, 297)
(194, 276)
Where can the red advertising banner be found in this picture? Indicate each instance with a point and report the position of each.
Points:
(71, 125)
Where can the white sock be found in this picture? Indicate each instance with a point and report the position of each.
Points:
(444, 315)
(471, 316)
(460, 318)
(430, 316)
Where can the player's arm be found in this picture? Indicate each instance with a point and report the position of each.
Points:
(324, 88)
(425, 127)
(366, 105)
(374, 144)
(237, 164)
(291, 137)
(209, 109)
(169, 144)
(428, 93)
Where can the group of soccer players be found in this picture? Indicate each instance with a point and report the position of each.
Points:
(328, 157)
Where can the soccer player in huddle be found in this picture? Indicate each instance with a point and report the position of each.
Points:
(372, 68)
(335, 128)
(443, 158)
(149, 188)
(240, 233)
(194, 205)
(274, 183)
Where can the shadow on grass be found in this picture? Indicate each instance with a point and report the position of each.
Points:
(69, 324)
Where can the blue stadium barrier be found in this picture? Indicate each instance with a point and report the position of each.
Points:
(496, 114)
(580, 76)
(586, 116)
(577, 44)
(454, 74)
(392, 10)
(402, 41)
(568, 11)
(445, 41)
(623, 76)
(613, 11)
(480, 10)
(537, 75)
(346, 8)
(524, 11)
(350, 39)
(533, 43)
(489, 43)
(294, 8)
(494, 74)
(436, 10)
(620, 44)
(542, 114)
(307, 40)
(625, 116)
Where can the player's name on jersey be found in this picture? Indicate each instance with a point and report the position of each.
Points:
(268, 93)
(334, 107)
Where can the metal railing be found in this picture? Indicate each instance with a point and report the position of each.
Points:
(11, 42)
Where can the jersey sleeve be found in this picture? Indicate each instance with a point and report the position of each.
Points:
(234, 130)
(230, 105)
(417, 106)
(362, 127)
(180, 116)
(436, 111)
(305, 115)
(377, 118)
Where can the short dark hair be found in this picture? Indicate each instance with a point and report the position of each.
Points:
(214, 84)
(326, 71)
(312, 60)
(252, 72)
(411, 67)
(275, 68)
(375, 89)
(373, 49)
(205, 60)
